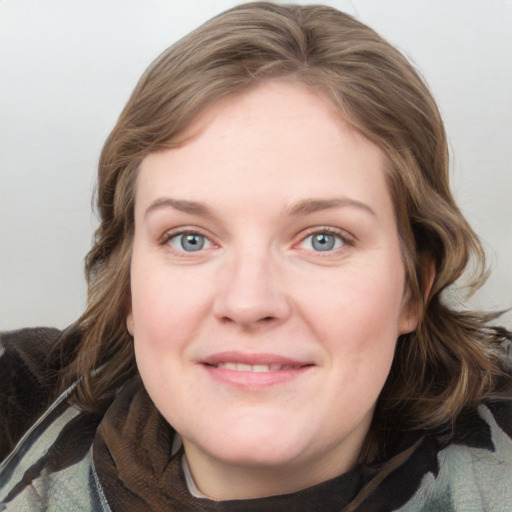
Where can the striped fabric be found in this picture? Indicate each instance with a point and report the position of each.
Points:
(59, 458)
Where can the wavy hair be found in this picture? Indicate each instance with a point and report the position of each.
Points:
(452, 360)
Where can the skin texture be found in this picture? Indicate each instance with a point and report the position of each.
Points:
(261, 176)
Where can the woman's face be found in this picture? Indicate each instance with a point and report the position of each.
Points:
(267, 290)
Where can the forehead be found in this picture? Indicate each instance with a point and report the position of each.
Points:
(279, 136)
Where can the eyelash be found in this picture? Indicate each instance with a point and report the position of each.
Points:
(169, 235)
(346, 238)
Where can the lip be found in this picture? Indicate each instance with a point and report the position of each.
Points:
(252, 359)
(253, 379)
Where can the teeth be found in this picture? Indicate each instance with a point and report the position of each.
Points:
(241, 367)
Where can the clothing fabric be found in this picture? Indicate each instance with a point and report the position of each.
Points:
(59, 458)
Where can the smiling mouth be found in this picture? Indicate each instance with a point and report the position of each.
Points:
(242, 367)
(255, 376)
(253, 371)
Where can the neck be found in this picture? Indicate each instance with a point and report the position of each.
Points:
(223, 481)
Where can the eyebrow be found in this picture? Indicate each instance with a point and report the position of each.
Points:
(309, 206)
(182, 205)
(301, 208)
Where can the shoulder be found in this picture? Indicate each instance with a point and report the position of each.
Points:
(480, 469)
(29, 372)
(51, 467)
(474, 471)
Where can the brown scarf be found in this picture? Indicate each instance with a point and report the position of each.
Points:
(132, 457)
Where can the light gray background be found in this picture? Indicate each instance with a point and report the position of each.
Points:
(67, 68)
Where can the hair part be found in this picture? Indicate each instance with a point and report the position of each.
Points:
(452, 360)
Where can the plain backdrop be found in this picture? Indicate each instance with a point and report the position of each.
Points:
(68, 67)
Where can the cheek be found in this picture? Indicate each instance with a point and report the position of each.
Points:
(168, 309)
(358, 307)
(151, 299)
(160, 320)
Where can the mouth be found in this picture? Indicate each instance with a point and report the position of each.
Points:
(242, 367)
(253, 371)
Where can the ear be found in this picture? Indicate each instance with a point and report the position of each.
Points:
(409, 316)
(413, 310)
(129, 322)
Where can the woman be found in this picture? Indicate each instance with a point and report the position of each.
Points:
(266, 328)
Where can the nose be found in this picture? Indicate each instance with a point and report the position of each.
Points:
(251, 293)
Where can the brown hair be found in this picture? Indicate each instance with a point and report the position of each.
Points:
(452, 360)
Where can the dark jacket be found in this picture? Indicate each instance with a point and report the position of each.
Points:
(63, 459)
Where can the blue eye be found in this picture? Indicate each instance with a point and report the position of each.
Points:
(323, 241)
(189, 242)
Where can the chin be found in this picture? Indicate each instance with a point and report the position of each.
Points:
(254, 444)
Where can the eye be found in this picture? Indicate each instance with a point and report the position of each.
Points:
(189, 242)
(322, 241)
